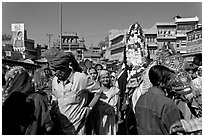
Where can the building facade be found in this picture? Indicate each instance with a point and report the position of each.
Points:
(183, 25)
(71, 42)
(166, 32)
(151, 41)
(30, 51)
(193, 44)
(93, 54)
(175, 32)
(115, 51)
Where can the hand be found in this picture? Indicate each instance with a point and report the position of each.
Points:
(176, 128)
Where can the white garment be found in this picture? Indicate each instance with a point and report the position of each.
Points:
(107, 123)
(72, 101)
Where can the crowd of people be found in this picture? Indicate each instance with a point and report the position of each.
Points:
(66, 98)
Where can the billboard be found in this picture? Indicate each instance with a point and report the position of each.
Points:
(18, 36)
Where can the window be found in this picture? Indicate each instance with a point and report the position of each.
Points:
(117, 40)
(118, 50)
(189, 38)
(196, 36)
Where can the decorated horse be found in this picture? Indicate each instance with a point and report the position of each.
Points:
(180, 83)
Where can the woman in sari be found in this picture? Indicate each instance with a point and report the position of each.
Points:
(107, 105)
(32, 116)
(18, 87)
(70, 87)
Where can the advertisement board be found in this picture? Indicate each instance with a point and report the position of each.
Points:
(18, 36)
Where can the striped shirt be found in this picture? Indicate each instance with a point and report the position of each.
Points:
(192, 125)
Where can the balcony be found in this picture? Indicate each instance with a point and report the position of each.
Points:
(166, 36)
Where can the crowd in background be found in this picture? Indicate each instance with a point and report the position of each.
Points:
(67, 97)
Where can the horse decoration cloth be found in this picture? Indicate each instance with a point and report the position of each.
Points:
(180, 82)
(173, 62)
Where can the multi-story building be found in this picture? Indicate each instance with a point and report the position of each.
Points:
(41, 49)
(151, 41)
(30, 51)
(183, 25)
(115, 51)
(166, 32)
(71, 42)
(175, 32)
(7, 46)
(93, 54)
(194, 44)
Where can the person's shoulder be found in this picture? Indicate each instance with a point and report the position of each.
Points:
(79, 74)
(54, 78)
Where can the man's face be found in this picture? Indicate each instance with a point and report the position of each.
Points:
(93, 74)
(62, 73)
(98, 68)
(199, 72)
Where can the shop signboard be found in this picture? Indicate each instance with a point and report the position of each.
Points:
(18, 37)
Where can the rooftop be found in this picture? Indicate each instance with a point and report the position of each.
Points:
(187, 19)
(165, 23)
(115, 33)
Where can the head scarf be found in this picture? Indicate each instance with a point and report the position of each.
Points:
(39, 78)
(13, 72)
(17, 79)
(62, 60)
(102, 72)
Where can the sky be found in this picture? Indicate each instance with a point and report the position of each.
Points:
(91, 20)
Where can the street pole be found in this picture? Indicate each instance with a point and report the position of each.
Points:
(60, 23)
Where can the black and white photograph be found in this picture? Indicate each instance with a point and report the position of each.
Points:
(101, 67)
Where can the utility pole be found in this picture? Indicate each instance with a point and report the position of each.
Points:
(49, 40)
(60, 24)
